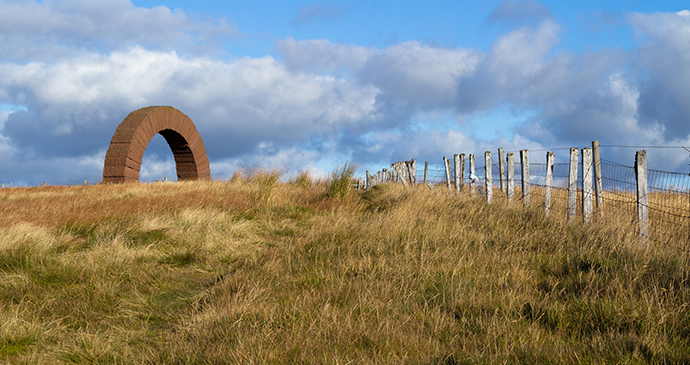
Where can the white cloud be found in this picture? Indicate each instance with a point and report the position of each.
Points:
(665, 60)
(73, 107)
(46, 30)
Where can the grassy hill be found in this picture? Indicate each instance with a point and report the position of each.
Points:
(253, 270)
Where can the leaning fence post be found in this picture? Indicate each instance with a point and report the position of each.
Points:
(426, 172)
(642, 199)
(572, 184)
(587, 188)
(456, 159)
(446, 165)
(524, 162)
(472, 174)
(501, 170)
(462, 170)
(510, 189)
(549, 181)
(487, 176)
(599, 191)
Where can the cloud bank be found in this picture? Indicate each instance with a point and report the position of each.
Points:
(70, 72)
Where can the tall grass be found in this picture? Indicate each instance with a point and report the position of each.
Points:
(340, 181)
(205, 273)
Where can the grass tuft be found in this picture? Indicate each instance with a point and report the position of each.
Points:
(339, 184)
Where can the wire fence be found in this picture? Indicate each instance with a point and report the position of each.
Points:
(668, 194)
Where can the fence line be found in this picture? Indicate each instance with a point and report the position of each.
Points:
(656, 202)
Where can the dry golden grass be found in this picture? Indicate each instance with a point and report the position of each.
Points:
(253, 270)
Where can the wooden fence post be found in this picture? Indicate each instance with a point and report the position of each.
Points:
(456, 159)
(462, 171)
(403, 171)
(413, 171)
(368, 181)
(446, 165)
(488, 178)
(587, 188)
(642, 198)
(400, 173)
(510, 176)
(501, 171)
(426, 172)
(549, 181)
(472, 174)
(572, 184)
(524, 163)
(599, 191)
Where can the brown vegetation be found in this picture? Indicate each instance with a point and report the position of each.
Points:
(253, 270)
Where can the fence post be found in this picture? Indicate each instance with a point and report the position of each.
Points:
(501, 170)
(572, 184)
(462, 171)
(403, 172)
(549, 181)
(587, 188)
(524, 162)
(426, 172)
(368, 181)
(446, 165)
(642, 199)
(599, 191)
(413, 171)
(510, 189)
(472, 173)
(400, 173)
(488, 179)
(456, 159)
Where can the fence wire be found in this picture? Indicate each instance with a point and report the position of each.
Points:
(668, 194)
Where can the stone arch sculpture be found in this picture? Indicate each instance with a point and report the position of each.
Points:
(123, 159)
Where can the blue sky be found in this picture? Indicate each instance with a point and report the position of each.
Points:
(309, 84)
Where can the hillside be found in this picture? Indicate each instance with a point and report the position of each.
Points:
(254, 270)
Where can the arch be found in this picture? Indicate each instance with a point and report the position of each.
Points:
(123, 159)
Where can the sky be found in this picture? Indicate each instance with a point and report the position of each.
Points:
(311, 85)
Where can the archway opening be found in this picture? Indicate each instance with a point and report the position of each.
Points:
(158, 161)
